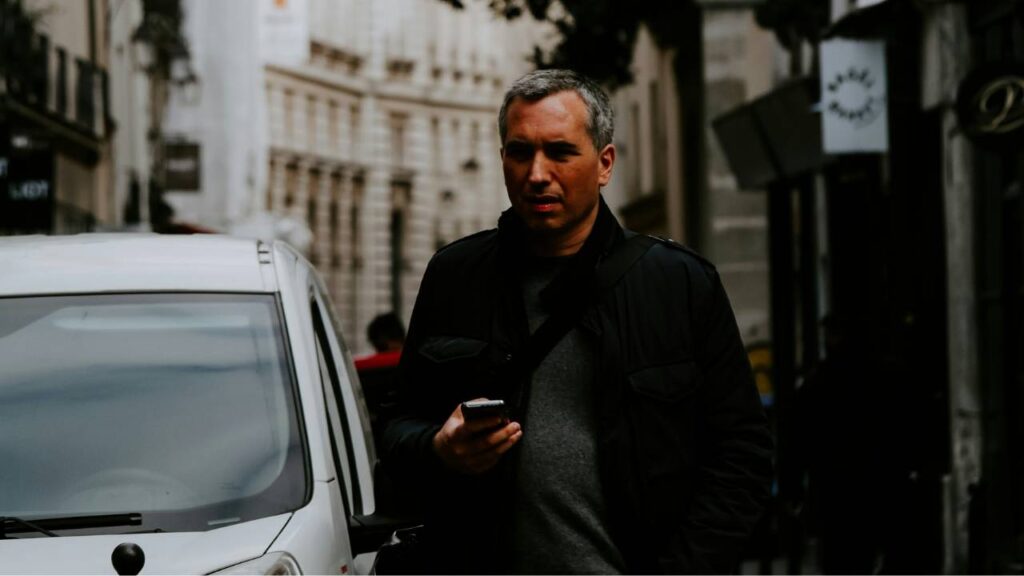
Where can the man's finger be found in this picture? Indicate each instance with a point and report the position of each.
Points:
(509, 442)
(492, 441)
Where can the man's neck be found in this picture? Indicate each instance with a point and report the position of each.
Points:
(547, 247)
(566, 244)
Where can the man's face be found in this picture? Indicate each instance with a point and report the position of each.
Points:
(553, 174)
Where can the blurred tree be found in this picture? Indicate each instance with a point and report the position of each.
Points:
(597, 36)
(161, 32)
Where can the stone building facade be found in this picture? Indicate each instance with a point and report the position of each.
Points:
(385, 142)
(671, 178)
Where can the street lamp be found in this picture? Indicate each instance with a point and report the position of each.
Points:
(163, 56)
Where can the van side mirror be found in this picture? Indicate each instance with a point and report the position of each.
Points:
(369, 532)
(395, 512)
(405, 553)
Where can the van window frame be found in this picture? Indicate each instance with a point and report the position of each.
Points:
(343, 453)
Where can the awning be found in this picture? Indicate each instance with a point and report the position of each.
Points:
(775, 137)
(878, 20)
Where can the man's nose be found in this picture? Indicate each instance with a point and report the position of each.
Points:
(540, 175)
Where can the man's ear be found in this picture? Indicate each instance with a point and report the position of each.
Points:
(605, 159)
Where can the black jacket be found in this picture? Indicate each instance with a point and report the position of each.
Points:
(684, 447)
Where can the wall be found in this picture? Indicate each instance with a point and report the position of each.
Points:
(393, 114)
(739, 65)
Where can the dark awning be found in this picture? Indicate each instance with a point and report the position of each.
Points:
(876, 21)
(775, 137)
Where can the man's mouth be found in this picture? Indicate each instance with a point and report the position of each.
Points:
(542, 203)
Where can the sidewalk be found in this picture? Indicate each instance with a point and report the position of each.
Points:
(780, 564)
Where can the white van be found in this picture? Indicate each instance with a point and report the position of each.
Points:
(177, 405)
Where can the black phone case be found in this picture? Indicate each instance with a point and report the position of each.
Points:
(470, 412)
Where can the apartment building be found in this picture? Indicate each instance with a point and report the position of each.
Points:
(55, 123)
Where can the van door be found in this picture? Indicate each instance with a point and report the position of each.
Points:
(347, 407)
(345, 480)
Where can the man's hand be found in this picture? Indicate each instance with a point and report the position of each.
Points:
(474, 447)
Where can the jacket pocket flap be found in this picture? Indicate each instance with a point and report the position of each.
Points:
(671, 382)
(441, 349)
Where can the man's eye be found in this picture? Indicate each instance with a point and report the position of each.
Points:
(517, 152)
(561, 153)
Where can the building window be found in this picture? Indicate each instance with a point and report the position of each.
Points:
(333, 118)
(660, 155)
(353, 130)
(273, 171)
(435, 144)
(400, 194)
(398, 124)
(311, 122)
(289, 114)
(355, 231)
(474, 140)
(444, 225)
(334, 221)
(455, 151)
(312, 215)
(291, 185)
(635, 169)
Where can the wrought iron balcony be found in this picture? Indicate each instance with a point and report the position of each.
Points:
(44, 84)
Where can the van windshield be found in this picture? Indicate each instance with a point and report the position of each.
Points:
(181, 407)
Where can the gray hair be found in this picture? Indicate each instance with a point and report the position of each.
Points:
(542, 83)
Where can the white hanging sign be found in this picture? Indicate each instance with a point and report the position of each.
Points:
(284, 31)
(854, 97)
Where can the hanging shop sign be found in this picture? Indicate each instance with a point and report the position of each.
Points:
(854, 97)
(181, 166)
(284, 31)
(990, 106)
(27, 198)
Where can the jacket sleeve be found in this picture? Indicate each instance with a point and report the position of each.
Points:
(734, 468)
(408, 456)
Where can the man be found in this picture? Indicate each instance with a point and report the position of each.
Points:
(638, 444)
(387, 335)
(378, 372)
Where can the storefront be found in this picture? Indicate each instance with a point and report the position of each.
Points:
(859, 308)
(996, 84)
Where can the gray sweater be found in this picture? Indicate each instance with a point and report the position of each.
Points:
(561, 524)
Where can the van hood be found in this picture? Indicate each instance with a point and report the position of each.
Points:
(166, 552)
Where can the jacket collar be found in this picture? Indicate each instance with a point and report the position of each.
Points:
(577, 275)
(604, 236)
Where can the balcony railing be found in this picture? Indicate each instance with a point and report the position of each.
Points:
(43, 80)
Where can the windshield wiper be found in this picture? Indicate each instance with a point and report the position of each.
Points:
(12, 525)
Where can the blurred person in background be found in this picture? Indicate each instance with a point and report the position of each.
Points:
(635, 440)
(378, 372)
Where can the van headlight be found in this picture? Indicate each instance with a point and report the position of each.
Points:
(273, 564)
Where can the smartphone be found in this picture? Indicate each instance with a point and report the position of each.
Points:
(478, 409)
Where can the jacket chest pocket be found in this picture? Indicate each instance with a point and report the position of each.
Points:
(662, 414)
(455, 365)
